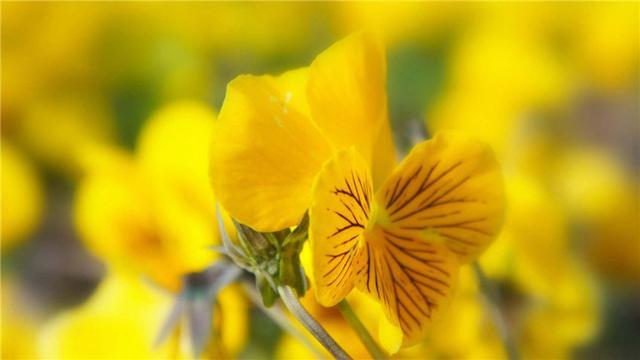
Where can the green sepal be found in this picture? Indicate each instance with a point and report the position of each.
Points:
(291, 270)
(268, 293)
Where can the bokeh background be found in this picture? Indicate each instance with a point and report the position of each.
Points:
(105, 113)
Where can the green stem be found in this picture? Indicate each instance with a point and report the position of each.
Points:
(279, 317)
(290, 299)
(493, 304)
(372, 346)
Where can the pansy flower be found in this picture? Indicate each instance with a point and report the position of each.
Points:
(318, 139)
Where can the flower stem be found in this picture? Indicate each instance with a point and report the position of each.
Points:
(279, 317)
(290, 299)
(493, 303)
(364, 335)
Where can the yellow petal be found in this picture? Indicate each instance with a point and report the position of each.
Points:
(384, 155)
(390, 335)
(448, 189)
(346, 92)
(22, 197)
(411, 278)
(338, 215)
(173, 154)
(265, 152)
(114, 216)
(173, 150)
(120, 320)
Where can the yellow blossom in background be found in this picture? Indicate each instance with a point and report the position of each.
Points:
(45, 57)
(154, 212)
(554, 324)
(399, 22)
(80, 120)
(606, 46)
(534, 260)
(22, 196)
(152, 215)
(232, 320)
(123, 318)
(604, 199)
(120, 320)
(19, 326)
(592, 183)
(172, 153)
(526, 244)
(499, 76)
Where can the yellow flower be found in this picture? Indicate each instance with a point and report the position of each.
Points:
(22, 197)
(553, 302)
(154, 212)
(497, 75)
(605, 44)
(554, 324)
(80, 120)
(602, 196)
(397, 236)
(120, 320)
(399, 21)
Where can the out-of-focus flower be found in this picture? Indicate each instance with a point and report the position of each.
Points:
(602, 198)
(606, 46)
(591, 183)
(555, 323)
(80, 120)
(547, 286)
(120, 320)
(399, 21)
(45, 48)
(19, 327)
(154, 213)
(172, 153)
(529, 251)
(232, 319)
(22, 196)
(498, 75)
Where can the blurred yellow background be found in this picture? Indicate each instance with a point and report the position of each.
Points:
(106, 204)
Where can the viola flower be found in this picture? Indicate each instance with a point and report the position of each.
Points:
(318, 139)
(153, 215)
(153, 212)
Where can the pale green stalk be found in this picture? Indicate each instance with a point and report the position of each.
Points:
(372, 346)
